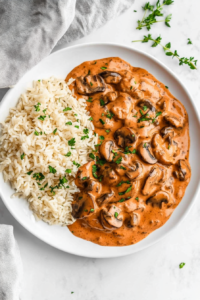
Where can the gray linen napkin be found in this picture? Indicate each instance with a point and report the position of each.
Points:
(29, 29)
(10, 265)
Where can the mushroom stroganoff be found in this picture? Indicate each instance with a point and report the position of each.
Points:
(140, 169)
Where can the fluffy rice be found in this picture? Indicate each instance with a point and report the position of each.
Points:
(30, 144)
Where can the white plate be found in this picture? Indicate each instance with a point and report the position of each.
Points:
(59, 64)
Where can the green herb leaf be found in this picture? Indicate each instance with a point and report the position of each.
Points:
(52, 170)
(181, 265)
(37, 107)
(68, 171)
(89, 99)
(137, 198)
(76, 164)
(22, 156)
(36, 132)
(68, 154)
(67, 108)
(90, 119)
(91, 155)
(68, 123)
(29, 173)
(127, 191)
(38, 176)
(72, 142)
(86, 130)
(102, 122)
(42, 118)
(189, 42)
(102, 103)
(55, 130)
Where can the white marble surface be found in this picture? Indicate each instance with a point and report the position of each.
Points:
(154, 273)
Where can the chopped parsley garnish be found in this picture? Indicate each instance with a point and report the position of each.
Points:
(122, 182)
(94, 171)
(121, 167)
(141, 112)
(22, 156)
(137, 198)
(76, 164)
(91, 155)
(37, 107)
(68, 171)
(107, 130)
(86, 130)
(181, 265)
(167, 87)
(103, 68)
(63, 180)
(109, 115)
(29, 173)
(88, 72)
(38, 176)
(92, 209)
(100, 162)
(54, 132)
(116, 214)
(145, 144)
(67, 108)
(89, 99)
(127, 191)
(84, 178)
(52, 170)
(101, 137)
(122, 200)
(145, 108)
(36, 132)
(131, 87)
(102, 103)
(76, 126)
(189, 41)
(42, 118)
(91, 83)
(91, 119)
(102, 122)
(134, 151)
(39, 80)
(44, 110)
(85, 137)
(68, 123)
(72, 142)
(135, 116)
(42, 189)
(158, 113)
(119, 160)
(68, 154)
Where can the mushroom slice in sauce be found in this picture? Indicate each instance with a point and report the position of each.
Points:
(165, 153)
(105, 198)
(124, 137)
(174, 119)
(106, 149)
(121, 106)
(159, 198)
(149, 108)
(152, 178)
(90, 84)
(167, 131)
(135, 171)
(111, 218)
(111, 77)
(145, 152)
(110, 97)
(84, 174)
(133, 220)
(108, 175)
(82, 206)
(184, 170)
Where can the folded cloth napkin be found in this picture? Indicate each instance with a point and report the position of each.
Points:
(10, 265)
(29, 30)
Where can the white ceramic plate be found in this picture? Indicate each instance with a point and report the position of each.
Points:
(59, 64)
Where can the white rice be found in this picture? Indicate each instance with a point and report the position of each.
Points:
(46, 149)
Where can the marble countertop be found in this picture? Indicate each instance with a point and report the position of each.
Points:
(153, 273)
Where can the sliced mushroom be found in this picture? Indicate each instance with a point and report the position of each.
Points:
(165, 153)
(146, 103)
(159, 198)
(105, 198)
(152, 178)
(133, 220)
(121, 107)
(135, 171)
(108, 175)
(125, 137)
(82, 206)
(175, 120)
(167, 131)
(106, 150)
(110, 97)
(111, 218)
(90, 84)
(184, 170)
(111, 77)
(84, 174)
(145, 152)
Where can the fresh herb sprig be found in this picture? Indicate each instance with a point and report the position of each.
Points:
(191, 62)
(156, 11)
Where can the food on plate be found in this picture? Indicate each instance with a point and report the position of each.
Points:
(140, 168)
(44, 140)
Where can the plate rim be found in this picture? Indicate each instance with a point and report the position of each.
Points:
(190, 205)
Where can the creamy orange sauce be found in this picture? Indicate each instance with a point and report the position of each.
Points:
(142, 169)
